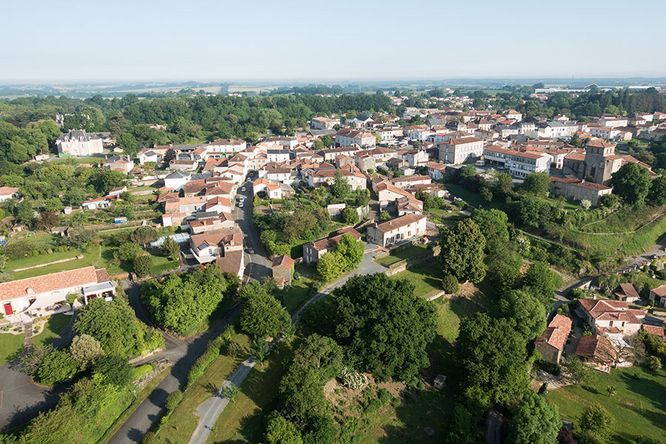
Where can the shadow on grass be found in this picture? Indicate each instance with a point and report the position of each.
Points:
(261, 388)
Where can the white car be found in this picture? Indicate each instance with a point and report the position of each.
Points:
(241, 204)
(243, 189)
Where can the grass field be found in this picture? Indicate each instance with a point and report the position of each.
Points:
(441, 216)
(184, 420)
(100, 256)
(425, 276)
(9, 344)
(54, 327)
(620, 245)
(638, 407)
(243, 420)
(295, 295)
(409, 251)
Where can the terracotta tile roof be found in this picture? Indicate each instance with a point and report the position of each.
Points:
(230, 236)
(660, 290)
(8, 191)
(283, 261)
(462, 141)
(51, 282)
(600, 143)
(399, 222)
(653, 330)
(628, 289)
(329, 242)
(557, 332)
(597, 348)
(230, 262)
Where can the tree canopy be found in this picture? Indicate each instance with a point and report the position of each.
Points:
(262, 315)
(114, 325)
(534, 421)
(462, 251)
(632, 183)
(182, 303)
(384, 328)
(492, 358)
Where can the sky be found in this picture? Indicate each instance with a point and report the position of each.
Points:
(250, 40)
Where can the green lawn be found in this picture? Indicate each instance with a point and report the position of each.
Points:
(92, 256)
(442, 216)
(425, 276)
(55, 325)
(9, 344)
(296, 294)
(243, 420)
(639, 406)
(403, 252)
(183, 420)
(470, 196)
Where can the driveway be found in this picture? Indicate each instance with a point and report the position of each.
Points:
(21, 399)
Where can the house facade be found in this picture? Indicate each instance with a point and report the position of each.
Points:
(32, 295)
(397, 230)
(79, 143)
(458, 151)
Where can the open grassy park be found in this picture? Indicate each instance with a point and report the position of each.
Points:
(638, 407)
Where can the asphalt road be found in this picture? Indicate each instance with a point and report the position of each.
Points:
(258, 265)
(184, 353)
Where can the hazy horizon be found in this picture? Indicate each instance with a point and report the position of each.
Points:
(258, 41)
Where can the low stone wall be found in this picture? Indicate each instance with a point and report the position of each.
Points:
(402, 265)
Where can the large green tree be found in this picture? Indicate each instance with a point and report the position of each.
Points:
(462, 251)
(632, 183)
(492, 360)
(114, 325)
(384, 327)
(534, 421)
(657, 194)
(182, 303)
(541, 282)
(262, 315)
(494, 225)
(537, 183)
(526, 311)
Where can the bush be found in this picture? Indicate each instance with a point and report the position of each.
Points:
(173, 400)
(56, 366)
(653, 363)
(114, 370)
(350, 216)
(142, 265)
(450, 284)
(201, 364)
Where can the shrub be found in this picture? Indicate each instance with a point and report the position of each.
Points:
(653, 363)
(201, 364)
(56, 366)
(142, 265)
(114, 370)
(173, 400)
(450, 284)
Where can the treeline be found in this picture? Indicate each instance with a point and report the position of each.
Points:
(186, 119)
(588, 104)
